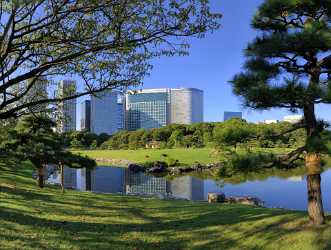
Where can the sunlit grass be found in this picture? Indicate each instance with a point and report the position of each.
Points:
(31, 218)
(183, 155)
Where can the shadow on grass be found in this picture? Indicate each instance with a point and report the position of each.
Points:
(40, 219)
(181, 229)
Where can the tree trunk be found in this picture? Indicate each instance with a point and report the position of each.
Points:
(313, 165)
(62, 176)
(315, 203)
(41, 177)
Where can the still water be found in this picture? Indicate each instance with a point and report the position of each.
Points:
(283, 190)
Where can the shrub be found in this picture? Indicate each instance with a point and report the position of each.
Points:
(247, 162)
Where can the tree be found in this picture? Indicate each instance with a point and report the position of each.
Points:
(289, 66)
(34, 139)
(233, 132)
(107, 44)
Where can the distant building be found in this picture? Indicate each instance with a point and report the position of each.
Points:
(186, 106)
(155, 108)
(66, 117)
(107, 112)
(293, 118)
(85, 116)
(270, 121)
(37, 92)
(229, 115)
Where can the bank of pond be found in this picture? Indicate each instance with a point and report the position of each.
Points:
(276, 188)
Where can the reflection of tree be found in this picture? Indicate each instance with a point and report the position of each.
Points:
(264, 175)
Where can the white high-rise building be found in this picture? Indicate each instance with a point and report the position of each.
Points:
(66, 117)
(186, 105)
(155, 108)
(106, 112)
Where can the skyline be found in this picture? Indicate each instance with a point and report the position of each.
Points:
(211, 64)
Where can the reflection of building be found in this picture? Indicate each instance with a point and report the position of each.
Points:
(187, 187)
(229, 115)
(107, 180)
(85, 115)
(155, 108)
(67, 109)
(83, 179)
(139, 183)
(106, 112)
(293, 118)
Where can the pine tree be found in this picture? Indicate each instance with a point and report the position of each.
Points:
(289, 66)
(34, 139)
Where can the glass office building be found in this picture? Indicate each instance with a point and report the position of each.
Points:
(85, 116)
(67, 109)
(106, 112)
(148, 109)
(155, 108)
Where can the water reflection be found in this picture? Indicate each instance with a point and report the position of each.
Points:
(275, 188)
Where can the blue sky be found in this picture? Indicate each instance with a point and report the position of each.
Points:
(214, 60)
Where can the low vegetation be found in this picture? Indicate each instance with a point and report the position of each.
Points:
(197, 135)
(31, 218)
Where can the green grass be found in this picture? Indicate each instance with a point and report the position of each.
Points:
(31, 218)
(185, 156)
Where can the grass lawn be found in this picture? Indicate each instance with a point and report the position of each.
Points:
(31, 218)
(185, 156)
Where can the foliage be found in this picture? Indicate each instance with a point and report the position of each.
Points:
(83, 139)
(230, 133)
(34, 139)
(289, 63)
(107, 44)
(240, 163)
(289, 66)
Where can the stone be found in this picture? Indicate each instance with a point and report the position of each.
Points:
(135, 168)
(245, 200)
(216, 197)
(159, 167)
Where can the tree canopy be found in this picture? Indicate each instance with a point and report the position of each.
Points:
(33, 139)
(289, 66)
(106, 43)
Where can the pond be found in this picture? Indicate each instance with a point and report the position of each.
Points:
(281, 189)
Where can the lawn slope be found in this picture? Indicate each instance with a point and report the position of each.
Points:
(31, 218)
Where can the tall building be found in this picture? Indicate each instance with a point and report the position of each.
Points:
(66, 117)
(155, 108)
(229, 115)
(106, 112)
(37, 92)
(186, 105)
(85, 116)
